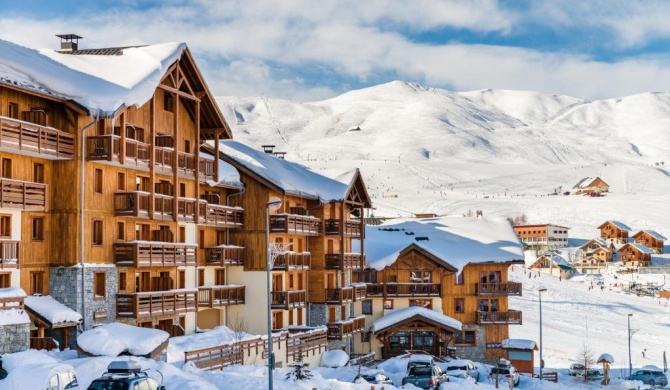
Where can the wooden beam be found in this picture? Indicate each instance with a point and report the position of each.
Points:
(178, 92)
(197, 163)
(122, 147)
(175, 163)
(152, 156)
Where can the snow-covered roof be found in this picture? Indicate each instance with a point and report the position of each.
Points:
(14, 317)
(52, 310)
(228, 175)
(654, 234)
(33, 376)
(101, 83)
(456, 241)
(618, 224)
(290, 177)
(397, 316)
(639, 247)
(605, 358)
(519, 344)
(557, 259)
(586, 182)
(12, 292)
(598, 241)
(334, 358)
(115, 338)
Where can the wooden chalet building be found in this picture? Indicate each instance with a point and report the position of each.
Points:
(597, 249)
(651, 239)
(552, 264)
(590, 185)
(312, 233)
(438, 265)
(542, 237)
(106, 198)
(635, 255)
(614, 232)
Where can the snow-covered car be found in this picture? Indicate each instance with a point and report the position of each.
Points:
(377, 378)
(505, 374)
(462, 365)
(125, 375)
(576, 369)
(459, 376)
(41, 376)
(649, 377)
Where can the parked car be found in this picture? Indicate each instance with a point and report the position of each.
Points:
(576, 369)
(41, 376)
(649, 377)
(505, 374)
(462, 365)
(125, 375)
(425, 377)
(376, 378)
(418, 360)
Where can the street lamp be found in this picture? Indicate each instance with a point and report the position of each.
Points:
(273, 204)
(630, 358)
(541, 362)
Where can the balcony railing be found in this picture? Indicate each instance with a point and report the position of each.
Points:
(221, 216)
(188, 207)
(135, 204)
(360, 291)
(499, 317)
(499, 288)
(225, 255)
(154, 254)
(404, 290)
(339, 296)
(288, 299)
(295, 224)
(293, 261)
(218, 296)
(26, 195)
(164, 159)
(206, 169)
(158, 303)
(344, 329)
(351, 228)
(31, 138)
(9, 253)
(108, 148)
(345, 261)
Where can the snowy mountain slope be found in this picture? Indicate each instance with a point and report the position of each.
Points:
(422, 149)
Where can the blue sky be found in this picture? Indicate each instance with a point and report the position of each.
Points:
(313, 50)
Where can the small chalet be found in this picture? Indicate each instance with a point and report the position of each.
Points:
(553, 264)
(59, 321)
(590, 265)
(590, 185)
(598, 249)
(651, 239)
(614, 232)
(520, 354)
(635, 255)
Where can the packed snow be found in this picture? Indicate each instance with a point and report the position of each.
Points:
(14, 317)
(116, 338)
(12, 292)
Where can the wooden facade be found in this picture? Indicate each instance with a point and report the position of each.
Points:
(651, 240)
(614, 232)
(599, 250)
(635, 255)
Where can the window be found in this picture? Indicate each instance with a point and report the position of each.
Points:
(168, 102)
(487, 305)
(38, 173)
(420, 277)
(466, 337)
(459, 305)
(181, 279)
(98, 181)
(220, 277)
(182, 234)
(37, 282)
(99, 285)
(201, 277)
(38, 229)
(388, 304)
(5, 279)
(121, 181)
(120, 231)
(7, 168)
(459, 278)
(187, 146)
(13, 110)
(97, 233)
(201, 239)
(277, 320)
(122, 281)
(367, 306)
(5, 226)
(299, 317)
(182, 189)
(425, 303)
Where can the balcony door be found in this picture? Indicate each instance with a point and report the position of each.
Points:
(277, 282)
(142, 281)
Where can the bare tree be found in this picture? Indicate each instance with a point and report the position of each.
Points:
(585, 356)
(239, 329)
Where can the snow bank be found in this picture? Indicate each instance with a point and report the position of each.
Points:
(115, 338)
(334, 358)
(14, 317)
(52, 310)
(396, 316)
(10, 361)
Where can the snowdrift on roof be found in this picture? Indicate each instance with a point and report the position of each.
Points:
(52, 310)
(116, 338)
(456, 241)
(101, 83)
(397, 316)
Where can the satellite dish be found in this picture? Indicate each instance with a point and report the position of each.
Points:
(274, 203)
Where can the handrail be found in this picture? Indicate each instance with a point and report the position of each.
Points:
(31, 137)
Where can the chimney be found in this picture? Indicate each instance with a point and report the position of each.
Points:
(69, 42)
(269, 149)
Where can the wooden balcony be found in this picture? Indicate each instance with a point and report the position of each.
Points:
(404, 290)
(221, 216)
(11, 303)
(499, 317)
(158, 303)
(293, 261)
(134, 204)
(154, 254)
(25, 195)
(225, 255)
(108, 148)
(510, 288)
(164, 159)
(30, 139)
(295, 224)
(206, 169)
(345, 261)
(46, 343)
(351, 228)
(360, 291)
(288, 299)
(344, 329)
(219, 296)
(339, 296)
(9, 253)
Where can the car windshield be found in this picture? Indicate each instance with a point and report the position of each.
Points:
(108, 385)
(464, 368)
(420, 371)
(578, 366)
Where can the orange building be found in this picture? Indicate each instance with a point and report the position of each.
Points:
(542, 237)
(635, 255)
(651, 239)
(614, 232)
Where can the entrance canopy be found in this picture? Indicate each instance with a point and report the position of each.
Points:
(401, 317)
